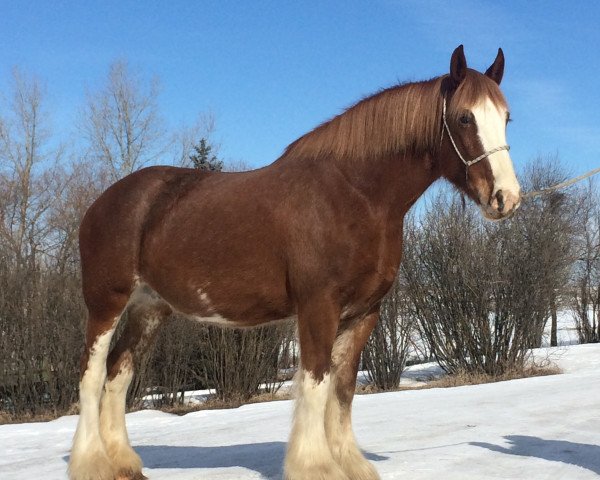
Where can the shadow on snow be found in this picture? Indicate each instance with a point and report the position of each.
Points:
(264, 458)
(579, 454)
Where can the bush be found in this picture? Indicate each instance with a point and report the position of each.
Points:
(386, 352)
(585, 299)
(235, 363)
(40, 342)
(480, 291)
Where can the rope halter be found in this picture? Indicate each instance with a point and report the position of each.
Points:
(468, 163)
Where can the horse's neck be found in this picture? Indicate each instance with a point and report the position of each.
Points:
(391, 183)
(369, 142)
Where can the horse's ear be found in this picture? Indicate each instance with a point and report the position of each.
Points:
(496, 69)
(458, 66)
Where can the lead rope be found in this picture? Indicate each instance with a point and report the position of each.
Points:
(558, 186)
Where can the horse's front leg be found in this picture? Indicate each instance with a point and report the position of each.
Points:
(308, 454)
(345, 359)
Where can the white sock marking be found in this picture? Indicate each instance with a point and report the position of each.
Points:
(88, 452)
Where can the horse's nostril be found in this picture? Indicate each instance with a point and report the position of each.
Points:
(500, 199)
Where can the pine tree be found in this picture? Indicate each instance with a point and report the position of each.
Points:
(204, 159)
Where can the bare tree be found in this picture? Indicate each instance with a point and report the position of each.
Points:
(40, 311)
(24, 147)
(585, 300)
(121, 122)
(552, 222)
(386, 352)
(74, 188)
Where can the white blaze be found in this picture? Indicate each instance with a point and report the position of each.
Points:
(491, 126)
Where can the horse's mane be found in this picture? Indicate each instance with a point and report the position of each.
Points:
(402, 118)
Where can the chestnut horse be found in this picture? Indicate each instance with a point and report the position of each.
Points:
(315, 236)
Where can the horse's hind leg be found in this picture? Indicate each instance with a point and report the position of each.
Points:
(338, 423)
(308, 455)
(144, 315)
(89, 460)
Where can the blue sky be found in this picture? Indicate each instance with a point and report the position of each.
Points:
(270, 71)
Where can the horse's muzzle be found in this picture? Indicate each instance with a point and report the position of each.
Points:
(501, 205)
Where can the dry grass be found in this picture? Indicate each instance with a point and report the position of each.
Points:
(461, 379)
(5, 418)
(8, 418)
(468, 378)
(216, 404)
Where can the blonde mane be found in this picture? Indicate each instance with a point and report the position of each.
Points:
(403, 118)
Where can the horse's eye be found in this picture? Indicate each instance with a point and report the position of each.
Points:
(464, 119)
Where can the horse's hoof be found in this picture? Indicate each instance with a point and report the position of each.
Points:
(317, 472)
(361, 471)
(131, 475)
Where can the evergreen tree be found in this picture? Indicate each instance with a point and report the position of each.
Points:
(204, 159)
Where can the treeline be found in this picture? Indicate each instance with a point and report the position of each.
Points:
(473, 295)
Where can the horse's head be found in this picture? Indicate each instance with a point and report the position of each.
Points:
(474, 152)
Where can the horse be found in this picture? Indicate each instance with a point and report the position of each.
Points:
(315, 236)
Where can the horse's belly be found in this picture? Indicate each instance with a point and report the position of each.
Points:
(203, 311)
(220, 296)
(218, 320)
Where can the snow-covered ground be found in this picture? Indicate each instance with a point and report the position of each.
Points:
(537, 428)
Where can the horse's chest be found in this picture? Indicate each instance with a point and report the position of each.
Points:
(371, 276)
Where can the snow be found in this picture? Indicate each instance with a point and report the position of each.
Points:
(566, 329)
(536, 428)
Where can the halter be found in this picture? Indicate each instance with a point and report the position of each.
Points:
(468, 163)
